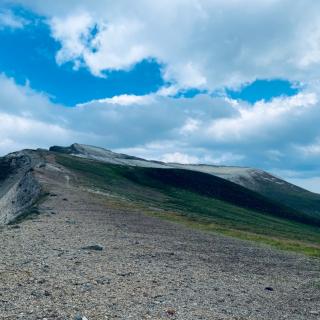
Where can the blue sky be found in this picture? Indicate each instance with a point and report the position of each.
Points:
(41, 70)
(190, 87)
(142, 78)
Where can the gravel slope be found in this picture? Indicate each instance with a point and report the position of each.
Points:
(147, 268)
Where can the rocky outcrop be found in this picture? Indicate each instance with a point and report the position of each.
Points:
(19, 189)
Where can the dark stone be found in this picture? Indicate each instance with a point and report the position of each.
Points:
(95, 247)
(268, 288)
(47, 293)
(171, 312)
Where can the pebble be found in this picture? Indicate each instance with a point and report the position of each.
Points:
(268, 288)
(96, 247)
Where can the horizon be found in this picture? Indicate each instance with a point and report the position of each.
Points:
(229, 84)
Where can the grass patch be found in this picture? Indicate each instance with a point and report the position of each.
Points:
(309, 249)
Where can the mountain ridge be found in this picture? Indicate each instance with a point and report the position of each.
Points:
(256, 180)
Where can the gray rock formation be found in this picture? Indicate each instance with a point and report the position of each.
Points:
(19, 188)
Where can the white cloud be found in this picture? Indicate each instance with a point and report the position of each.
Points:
(29, 120)
(190, 126)
(310, 150)
(263, 119)
(9, 20)
(122, 100)
(73, 32)
(201, 43)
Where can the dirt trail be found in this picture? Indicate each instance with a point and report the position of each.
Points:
(147, 268)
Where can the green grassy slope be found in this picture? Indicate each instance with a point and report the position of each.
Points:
(202, 200)
(290, 195)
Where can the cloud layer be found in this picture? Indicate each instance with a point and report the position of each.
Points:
(200, 129)
(200, 43)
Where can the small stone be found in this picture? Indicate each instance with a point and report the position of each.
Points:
(171, 312)
(95, 247)
(71, 221)
(124, 274)
(47, 293)
(103, 281)
(315, 313)
(268, 288)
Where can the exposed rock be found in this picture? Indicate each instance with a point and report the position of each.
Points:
(19, 189)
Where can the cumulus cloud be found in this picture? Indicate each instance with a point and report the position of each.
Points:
(29, 120)
(9, 20)
(200, 43)
(264, 119)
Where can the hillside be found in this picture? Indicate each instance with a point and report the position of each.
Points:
(109, 241)
(212, 202)
(256, 180)
(267, 185)
(175, 192)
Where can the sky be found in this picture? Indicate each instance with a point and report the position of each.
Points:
(193, 81)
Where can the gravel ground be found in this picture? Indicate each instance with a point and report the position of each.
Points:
(141, 267)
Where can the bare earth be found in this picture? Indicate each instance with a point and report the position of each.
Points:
(148, 268)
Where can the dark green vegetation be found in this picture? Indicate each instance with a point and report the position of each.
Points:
(202, 201)
(289, 195)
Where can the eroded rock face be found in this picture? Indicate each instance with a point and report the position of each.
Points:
(19, 189)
